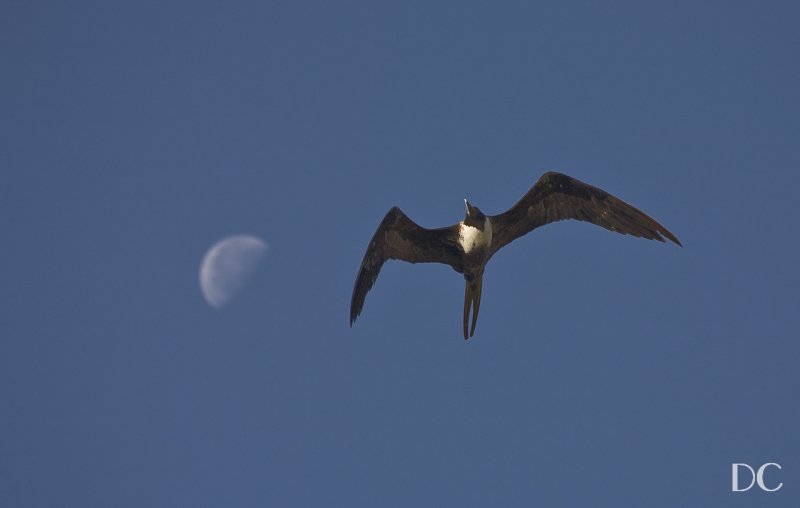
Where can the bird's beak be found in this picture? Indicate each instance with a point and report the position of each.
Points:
(470, 209)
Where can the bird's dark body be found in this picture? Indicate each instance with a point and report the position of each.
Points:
(468, 245)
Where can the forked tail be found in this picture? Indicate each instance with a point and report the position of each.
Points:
(472, 296)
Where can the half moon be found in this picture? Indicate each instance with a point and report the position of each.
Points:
(227, 267)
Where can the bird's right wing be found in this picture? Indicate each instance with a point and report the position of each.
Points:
(558, 197)
(398, 237)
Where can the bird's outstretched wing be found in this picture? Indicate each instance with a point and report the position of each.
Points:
(398, 237)
(558, 197)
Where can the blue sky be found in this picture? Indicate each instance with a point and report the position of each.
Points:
(605, 370)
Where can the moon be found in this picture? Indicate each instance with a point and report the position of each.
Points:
(227, 267)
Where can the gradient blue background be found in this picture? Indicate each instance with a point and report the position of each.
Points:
(605, 371)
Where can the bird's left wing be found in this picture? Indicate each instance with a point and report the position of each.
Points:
(398, 237)
(558, 197)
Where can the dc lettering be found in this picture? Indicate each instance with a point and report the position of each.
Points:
(756, 477)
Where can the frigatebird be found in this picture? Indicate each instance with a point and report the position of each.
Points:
(468, 245)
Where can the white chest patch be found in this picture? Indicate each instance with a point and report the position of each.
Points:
(472, 237)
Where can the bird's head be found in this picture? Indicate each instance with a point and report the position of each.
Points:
(474, 217)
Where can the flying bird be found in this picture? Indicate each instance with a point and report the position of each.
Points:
(468, 245)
